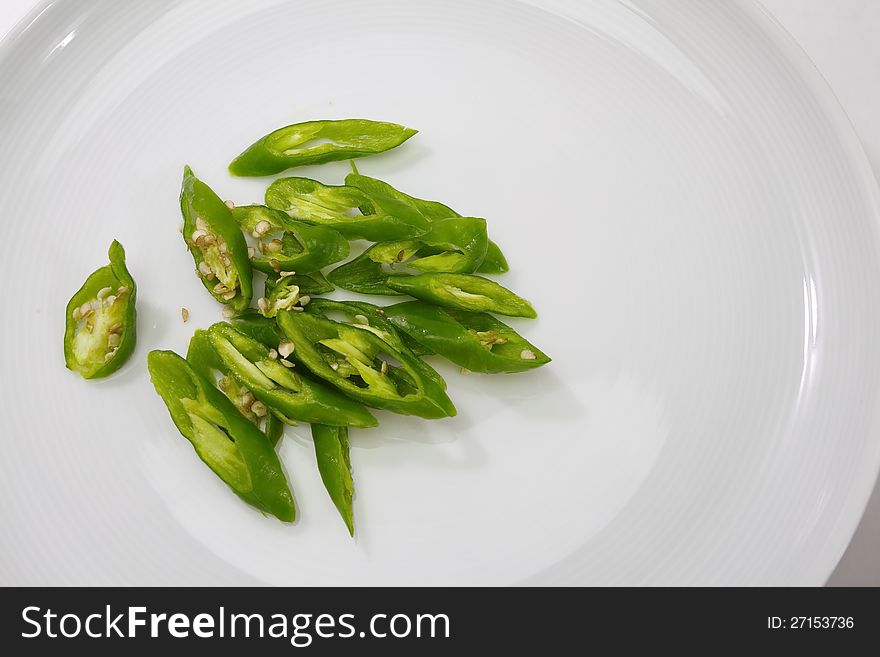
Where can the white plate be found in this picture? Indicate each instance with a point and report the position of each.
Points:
(675, 188)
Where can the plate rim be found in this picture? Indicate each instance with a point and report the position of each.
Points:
(868, 477)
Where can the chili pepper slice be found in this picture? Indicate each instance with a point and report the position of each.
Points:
(493, 262)
(225, 440)
(372, 318)
(456, 244)
(367, 274)
(316, 142)
(312, 283)
(216, 243)
(364, 366)
(204, 360)
(287, 393)
(286, 245)
(100, 327)
(346, 209)
(282, 294)
(463, 291)
(258, 327)
(475, 341)
(433, 210)
(334, 465)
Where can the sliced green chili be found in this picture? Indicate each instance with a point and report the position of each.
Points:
(205, 361)
(463, 291)
(367, 274)
(368, 317)
(272, 379)
(346, 209)
(100, 326)
(225, 440)
(258, 327)
(281, 294)
(475, 341)
(494, 261)
(287, 245)
(456, 245)
(316, 142)
(312, 283)
(216, 243)
(363, 366)
(334, 464)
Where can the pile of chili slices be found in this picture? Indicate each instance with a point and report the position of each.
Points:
(292, 356)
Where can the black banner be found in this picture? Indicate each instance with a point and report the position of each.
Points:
(433, 621)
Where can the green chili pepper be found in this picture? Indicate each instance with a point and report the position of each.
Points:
(456, 245)
(282, 294)
(100, 326)
(204, 360)
(258, 327)
(289, 245)
(493, 262)
(364, 366)
(225, 440)
(288, 394)
(316, 142)
(463, 291)
(346, 209)
(334, 464)
(216, 243)
(475, 341)
(372, 318)
(313, 283)
(433, 210)
(367, 274)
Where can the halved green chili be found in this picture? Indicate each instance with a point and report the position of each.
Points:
(433, 210)
(369, 317)
(367, 274)
(334, 464)
(346, 209)
(216, 243)
(100, 324)
(316, 142)
(463, 291)
(205, 361)
(258, 327)
(224, 439)
(475, 341)
(287, 245)
(456, 245)
(493, 262)
(274, 382)
(363, 366)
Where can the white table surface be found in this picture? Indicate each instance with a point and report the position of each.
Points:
(841, 38)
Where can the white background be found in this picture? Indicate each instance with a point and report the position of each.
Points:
(841, 38)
